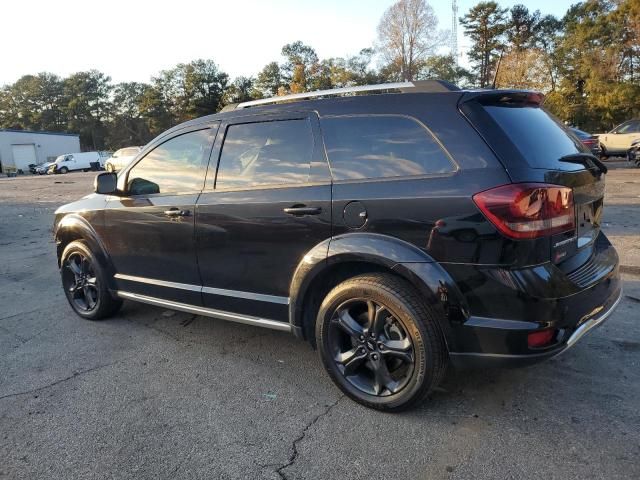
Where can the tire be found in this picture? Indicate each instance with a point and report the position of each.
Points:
(64, 170)
(402, 361)
(84, 282)
(603, 153)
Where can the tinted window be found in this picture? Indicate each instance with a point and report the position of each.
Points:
(629, 127)
(539, 137)
(265, 153)
(381, 146)
(176, 166)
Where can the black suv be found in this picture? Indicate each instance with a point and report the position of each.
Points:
(395, 227)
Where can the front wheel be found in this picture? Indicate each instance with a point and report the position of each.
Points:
(64, 170)
(85, 283)
(603, 153)
(379, 343)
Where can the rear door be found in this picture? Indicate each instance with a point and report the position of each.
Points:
(150, 227)
(269, 205)
(535, 147)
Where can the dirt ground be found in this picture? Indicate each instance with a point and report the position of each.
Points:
(153, 393)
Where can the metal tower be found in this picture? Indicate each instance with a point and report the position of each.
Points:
(454, 30)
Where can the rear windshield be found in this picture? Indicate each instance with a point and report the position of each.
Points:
(538, 136)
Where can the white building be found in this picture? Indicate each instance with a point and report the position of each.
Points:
(19, 148)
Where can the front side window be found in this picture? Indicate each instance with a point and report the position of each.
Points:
(381, 146)
(265, 153)
(176, 166)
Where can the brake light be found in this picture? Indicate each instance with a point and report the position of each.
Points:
(528, 210)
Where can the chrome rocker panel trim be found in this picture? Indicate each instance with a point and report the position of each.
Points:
(261, 297)
(207, 312)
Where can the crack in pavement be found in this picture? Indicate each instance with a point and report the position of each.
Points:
(62, 380)
(294, 446)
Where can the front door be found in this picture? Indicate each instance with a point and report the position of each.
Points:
(150, 228)
(270, 205)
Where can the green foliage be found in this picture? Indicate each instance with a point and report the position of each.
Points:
(587, 64)
(485, 25)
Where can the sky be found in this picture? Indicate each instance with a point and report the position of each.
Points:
(133, 40)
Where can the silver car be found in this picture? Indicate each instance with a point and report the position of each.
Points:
(121, 158)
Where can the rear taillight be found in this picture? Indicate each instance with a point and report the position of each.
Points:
(528, 210)
(589, 142)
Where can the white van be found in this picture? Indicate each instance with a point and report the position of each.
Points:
(75, 161)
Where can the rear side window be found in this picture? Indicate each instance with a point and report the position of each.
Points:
(540, 138)
(382, 146)
(265, 153)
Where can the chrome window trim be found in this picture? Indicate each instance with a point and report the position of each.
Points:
(260, 297)
(207, 312)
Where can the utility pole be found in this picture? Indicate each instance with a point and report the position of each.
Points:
(454, 30)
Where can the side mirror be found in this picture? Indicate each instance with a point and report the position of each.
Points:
(106, 183)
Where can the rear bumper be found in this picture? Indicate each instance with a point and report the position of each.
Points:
(505, 306)
(498, 360)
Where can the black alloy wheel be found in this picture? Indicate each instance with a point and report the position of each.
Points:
(84, 281)
(380, 342)
(371, 347)
(80, 281)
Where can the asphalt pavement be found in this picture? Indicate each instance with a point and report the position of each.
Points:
(153, 393)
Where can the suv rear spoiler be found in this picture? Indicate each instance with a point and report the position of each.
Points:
(504, 97)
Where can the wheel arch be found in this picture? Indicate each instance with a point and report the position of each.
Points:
(342, 257)
(74, 227)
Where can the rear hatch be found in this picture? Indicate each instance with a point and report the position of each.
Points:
(535, 147)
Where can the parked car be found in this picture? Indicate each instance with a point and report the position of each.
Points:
(589, 141)
(43, 168)
(393, 239)
(121, 158)
(75, 161)
(618, 141)
(633, 154)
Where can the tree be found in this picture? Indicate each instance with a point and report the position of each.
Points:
(33, 102)
(485, 25)
(407, 34)
(270, 79)
(128, 125)
(444, 67)
(596, 54)
(87, 105)
(301, 66)
(191, 90)
(521, 27)
(241, 90)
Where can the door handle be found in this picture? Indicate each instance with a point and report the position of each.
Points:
(176, 212)
(301, 210)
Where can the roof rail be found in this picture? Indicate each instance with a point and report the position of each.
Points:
(323, 93)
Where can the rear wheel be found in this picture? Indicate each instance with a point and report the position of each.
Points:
(85, 283)
(379, 343)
